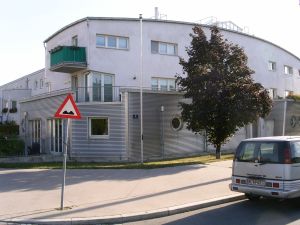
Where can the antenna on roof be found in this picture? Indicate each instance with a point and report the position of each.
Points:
(159, 16)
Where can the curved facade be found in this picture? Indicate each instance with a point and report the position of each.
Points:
(98, 59)
(124, 63)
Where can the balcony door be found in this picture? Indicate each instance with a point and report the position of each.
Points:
(99, 87)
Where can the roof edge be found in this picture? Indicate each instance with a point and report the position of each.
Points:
(165, 21)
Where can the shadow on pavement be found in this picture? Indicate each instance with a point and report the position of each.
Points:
(31, 179)
(138, 198)
(263, 212)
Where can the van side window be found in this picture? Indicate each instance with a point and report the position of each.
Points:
(295, 152)
(246, 152)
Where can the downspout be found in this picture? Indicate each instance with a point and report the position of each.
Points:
(45, 70)
(88, 47)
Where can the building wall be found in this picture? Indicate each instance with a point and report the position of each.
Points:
(39, 108)
(13, 95)
(160, 139)
(125, 64)
(111, 148)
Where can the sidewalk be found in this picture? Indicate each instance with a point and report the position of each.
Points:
(99, 196)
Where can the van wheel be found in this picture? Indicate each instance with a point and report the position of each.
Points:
(252, 197)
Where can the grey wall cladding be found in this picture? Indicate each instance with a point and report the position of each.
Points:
(159, 137)
(112, 148)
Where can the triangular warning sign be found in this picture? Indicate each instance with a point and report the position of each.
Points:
(68, 109)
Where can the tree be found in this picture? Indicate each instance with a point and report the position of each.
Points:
(218, 82)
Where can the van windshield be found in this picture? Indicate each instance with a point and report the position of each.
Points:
(263, 152)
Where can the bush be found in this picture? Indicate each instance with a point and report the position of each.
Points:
(8, 129)
(11, 146)
(4, 110)
(13, 110)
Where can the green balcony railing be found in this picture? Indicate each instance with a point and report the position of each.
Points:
(68, 59)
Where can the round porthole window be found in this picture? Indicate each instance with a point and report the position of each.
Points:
(176, 123)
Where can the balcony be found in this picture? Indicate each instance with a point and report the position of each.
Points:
(67, 59)
(107, 93)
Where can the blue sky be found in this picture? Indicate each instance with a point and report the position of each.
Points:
(24, 25)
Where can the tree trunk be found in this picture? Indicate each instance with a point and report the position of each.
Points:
(218, 151)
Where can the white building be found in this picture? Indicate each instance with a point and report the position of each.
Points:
(98, 60)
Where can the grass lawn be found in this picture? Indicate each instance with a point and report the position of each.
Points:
(95, 165)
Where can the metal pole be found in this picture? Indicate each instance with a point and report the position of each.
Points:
(162, 109)
(64, 166)
(141, 89)
(284, 117)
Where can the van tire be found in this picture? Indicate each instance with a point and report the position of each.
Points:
(252, 197)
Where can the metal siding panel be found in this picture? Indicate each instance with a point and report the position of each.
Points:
(41, 109)
(112, 147)
(176, 143)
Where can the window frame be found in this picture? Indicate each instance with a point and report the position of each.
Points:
(288, 70)
(90, 135)
(272, 93)
(272, 66)
(75, 41)
(106, 43)
(159, 49)
(159, 80)
(89, 87)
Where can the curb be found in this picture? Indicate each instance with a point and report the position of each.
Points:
(131, 217)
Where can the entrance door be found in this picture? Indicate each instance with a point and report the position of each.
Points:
(56, 135)
(35, 136)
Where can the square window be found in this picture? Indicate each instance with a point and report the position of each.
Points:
(123, 43)
(154, 46)
(288, 70)
(98, 127)
(13, 104)
(163, 85)
(111, 42)
(271, 66)
(100, 40)
(154, 84)
(75, 41)
(171, 49)
(162, 48)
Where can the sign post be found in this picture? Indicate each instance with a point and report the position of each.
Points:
(67, 110)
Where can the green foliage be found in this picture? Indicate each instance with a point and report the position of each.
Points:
(4, 110)
(11, 146)
(224, 96)
(9, 128)
(294, 97)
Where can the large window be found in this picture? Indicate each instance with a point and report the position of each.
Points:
(99, 87)
(108, 41)
(56, 135)
(163, 84)
(163, 48)
(35, 136)
(288, 70)
(98, 127)
(35, 127)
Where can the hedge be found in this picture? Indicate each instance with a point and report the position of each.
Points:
(11, 146)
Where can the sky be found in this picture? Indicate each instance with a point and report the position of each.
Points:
(25, 24)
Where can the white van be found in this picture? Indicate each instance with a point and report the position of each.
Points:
(267, 166)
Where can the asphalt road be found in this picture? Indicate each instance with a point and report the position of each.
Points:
(263, 212)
